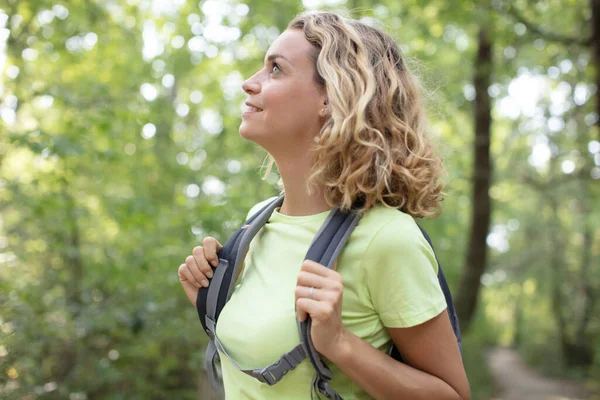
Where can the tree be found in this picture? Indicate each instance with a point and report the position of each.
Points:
(468, 290)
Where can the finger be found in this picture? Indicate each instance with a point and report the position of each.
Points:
(301, 308)
(309, 279)
(319, 269)
(201, 262)
(301, 313)
(191, 291)
(193, 274)
(318, 310)
(317, 294)
(211, 247)
(186, 275)
(198, 264)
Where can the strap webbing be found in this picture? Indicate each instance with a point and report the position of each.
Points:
(274, 372)
(210, 358)
(320, 386)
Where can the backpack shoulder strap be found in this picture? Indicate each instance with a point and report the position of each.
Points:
(211, 300)
(324, 249)
(447, 295)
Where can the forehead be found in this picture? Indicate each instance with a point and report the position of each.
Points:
(293, 45)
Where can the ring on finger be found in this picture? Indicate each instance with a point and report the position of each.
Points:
(310, 292)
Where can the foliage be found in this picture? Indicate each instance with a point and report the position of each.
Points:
(119, 152)
(476, 343)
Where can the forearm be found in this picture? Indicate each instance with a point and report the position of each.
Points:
(385, 378)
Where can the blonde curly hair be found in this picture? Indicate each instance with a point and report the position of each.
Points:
(374, 148)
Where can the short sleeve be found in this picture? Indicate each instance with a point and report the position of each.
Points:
(401, 275)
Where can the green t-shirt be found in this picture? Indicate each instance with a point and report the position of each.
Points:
(390, 280)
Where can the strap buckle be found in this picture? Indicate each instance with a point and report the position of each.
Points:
(266, 376)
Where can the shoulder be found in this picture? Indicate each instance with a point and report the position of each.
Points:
(258, 206)
(394, 233)
(390, 225)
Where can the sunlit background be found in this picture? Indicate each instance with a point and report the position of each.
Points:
(119, 152)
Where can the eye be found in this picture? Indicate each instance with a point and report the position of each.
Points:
(275, 65)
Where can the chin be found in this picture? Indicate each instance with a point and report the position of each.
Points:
(259, 139)
(246, 133)
(252, 136)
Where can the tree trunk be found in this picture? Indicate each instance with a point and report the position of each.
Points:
(69, 352)
(589, 295)
(555, 247)
(470, 283)
(582, 352)
(73, 258)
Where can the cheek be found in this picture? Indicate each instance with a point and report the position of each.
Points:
(294, 108)
(289, 116)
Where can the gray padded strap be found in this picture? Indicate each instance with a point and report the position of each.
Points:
(275, 372)
(330, 257)
(288, 361)
(251, 231)
(217, 282)
(336, 252)
(322, 228)
(213, 289)
(337, 235)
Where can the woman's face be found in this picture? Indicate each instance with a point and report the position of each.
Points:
(290, 102)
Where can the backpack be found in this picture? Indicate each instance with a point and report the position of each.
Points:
(324, 249)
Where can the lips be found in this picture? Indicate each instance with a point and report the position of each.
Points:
(252, 107)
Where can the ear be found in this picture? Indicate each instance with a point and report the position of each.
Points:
(324, 112)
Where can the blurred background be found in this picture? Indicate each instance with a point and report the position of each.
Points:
(119, 152)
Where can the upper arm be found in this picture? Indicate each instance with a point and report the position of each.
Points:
(431, 347)
(401, 275)
(406, 293)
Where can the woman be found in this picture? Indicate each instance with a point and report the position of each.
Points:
(341, 116)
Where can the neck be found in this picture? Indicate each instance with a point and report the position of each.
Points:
(294, 173)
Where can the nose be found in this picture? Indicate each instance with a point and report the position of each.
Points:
(251, 86)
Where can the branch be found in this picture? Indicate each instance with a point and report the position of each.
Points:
(547, 35)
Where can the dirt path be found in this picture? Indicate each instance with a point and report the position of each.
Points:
(515, 381)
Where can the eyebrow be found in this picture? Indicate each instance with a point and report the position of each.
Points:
(273, 56)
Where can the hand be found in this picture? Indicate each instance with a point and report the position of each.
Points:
(324, 306)
(195, 272)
